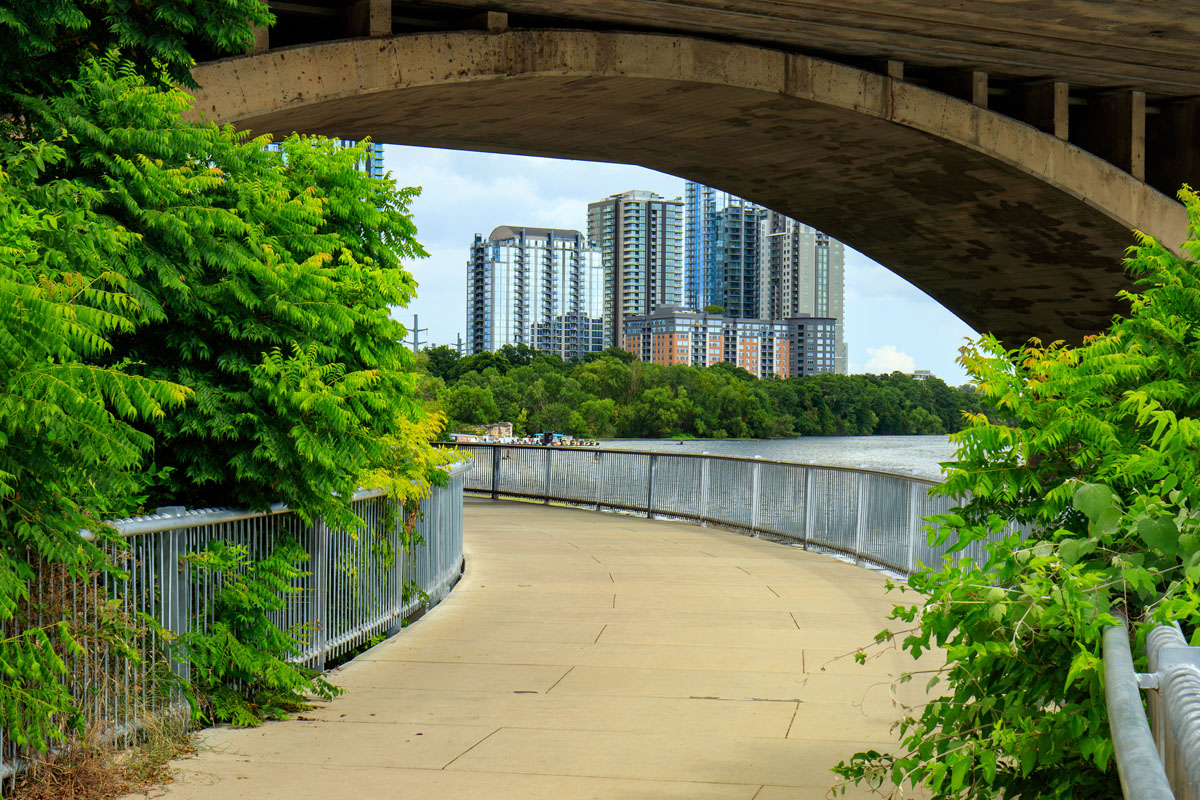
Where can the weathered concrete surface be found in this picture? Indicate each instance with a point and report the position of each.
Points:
(1014, 230)
(592, 655)
(1095, 43)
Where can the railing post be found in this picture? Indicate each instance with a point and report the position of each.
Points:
(808, 507)
(755, 494)
(861, 522)
(495, 472)
(176, 584)
(318, 601)
(704, 462)
(387, 504)
(599, 463)
(650, 489)
(546, 483)
(914, 524)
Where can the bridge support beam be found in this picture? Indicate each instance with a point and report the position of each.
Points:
(369, 18)
(490, 21)
(1113, 126)
(970, 85)
(1173, 135)
(1046, 106)
(262, 41)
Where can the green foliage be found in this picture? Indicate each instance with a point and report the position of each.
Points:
(43, 44)
(239, 657)
(184, 316)
(609, 394)
(1100, 467)
(264, 298)
(67, 445)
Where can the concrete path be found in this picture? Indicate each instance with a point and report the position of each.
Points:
(590, 655)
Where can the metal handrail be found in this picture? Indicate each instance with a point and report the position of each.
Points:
(871, 516)
(1138, 764)
(1173, 683)
(347, 596)
(707, 456)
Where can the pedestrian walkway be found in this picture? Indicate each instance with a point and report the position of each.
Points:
(588, 655)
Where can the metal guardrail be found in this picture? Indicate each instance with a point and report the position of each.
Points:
(350, 594)
(873, 517)
(1138, 764)
(1173, 683)
(1163, 764)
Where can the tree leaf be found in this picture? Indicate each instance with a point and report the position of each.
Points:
(1161, 534)
(1092, 499)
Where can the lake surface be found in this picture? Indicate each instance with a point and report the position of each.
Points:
(907, 455)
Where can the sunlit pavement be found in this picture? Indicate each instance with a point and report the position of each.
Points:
(589, 655)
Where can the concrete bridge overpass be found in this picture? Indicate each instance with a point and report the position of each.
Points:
(588, 655)
(996, 154)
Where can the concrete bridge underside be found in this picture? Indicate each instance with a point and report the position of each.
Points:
(588, 655)
(1017, 231)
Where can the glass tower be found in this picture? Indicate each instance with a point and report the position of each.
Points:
(535, 286)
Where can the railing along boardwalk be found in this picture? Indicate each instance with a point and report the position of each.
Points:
(590, 655)
(622, 633)
(354, 588)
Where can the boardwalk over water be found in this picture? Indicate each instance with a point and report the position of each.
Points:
(589, 655)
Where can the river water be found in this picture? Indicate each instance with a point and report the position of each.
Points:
(906, 455)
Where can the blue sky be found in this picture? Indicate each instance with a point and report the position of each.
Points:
(890, 324)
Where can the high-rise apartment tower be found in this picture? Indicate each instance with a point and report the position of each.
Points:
(640, 238)
(535, 286)
(801, 274)
(722, 250)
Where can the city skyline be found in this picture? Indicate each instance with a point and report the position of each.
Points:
(889, 324)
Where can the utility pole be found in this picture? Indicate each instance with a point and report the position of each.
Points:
(416, 334)
(460, 345)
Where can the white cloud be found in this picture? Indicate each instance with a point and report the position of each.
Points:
(887, 359)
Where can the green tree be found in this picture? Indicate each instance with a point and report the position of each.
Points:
(474, 405)
(440, 360)
(1099, 467)
(269, 302)
(68, 449)
(145, 262)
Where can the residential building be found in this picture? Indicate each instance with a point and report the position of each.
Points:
(372, 165)
(786, 348)
(801, 273)
(816, 346)
(535, 286)
(374, 162)
(640, 239)
(722, 250)
(758, 264)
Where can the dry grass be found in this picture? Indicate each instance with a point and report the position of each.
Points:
(92, 769)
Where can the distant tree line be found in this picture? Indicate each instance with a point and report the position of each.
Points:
(609, 394)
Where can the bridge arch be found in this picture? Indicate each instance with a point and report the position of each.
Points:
(1014, 230)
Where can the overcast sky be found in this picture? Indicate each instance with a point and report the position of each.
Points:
(890, 324)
